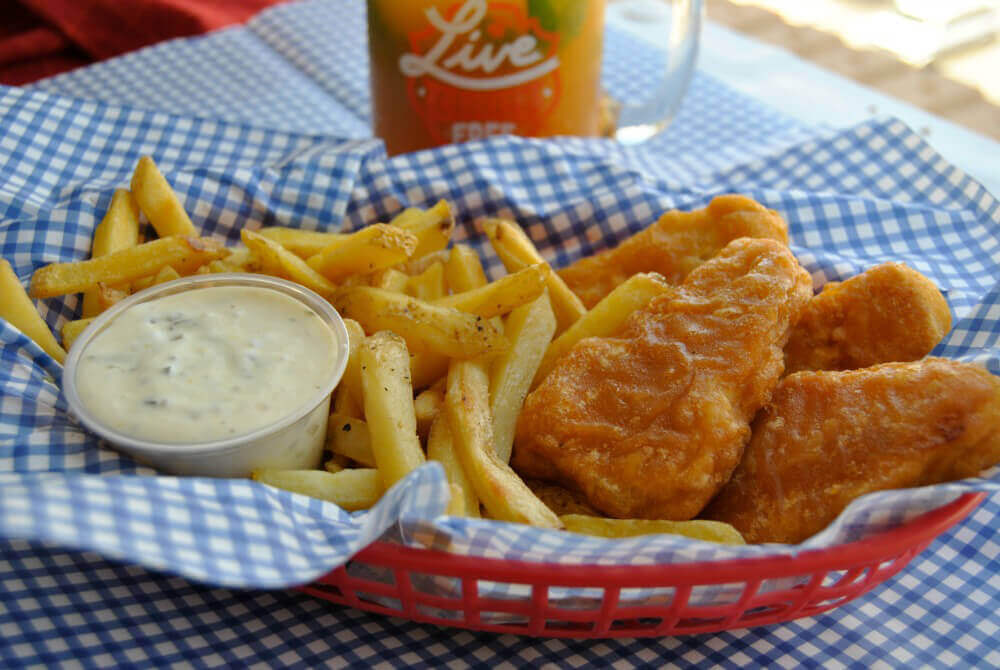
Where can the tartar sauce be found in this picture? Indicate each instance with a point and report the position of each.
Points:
(206, 364)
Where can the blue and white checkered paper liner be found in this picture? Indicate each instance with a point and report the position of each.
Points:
(61, 160)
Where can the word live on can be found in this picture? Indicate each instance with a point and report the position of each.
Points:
(447, 71)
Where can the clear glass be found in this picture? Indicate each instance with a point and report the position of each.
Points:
(664, 37)
(447, 71)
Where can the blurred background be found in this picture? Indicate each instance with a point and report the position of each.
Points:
(940, 55)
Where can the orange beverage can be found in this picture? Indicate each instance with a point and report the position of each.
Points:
(446, 71)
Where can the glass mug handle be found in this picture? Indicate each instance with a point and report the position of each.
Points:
(650, 49)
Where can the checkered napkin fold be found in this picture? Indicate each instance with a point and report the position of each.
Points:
(855, 198)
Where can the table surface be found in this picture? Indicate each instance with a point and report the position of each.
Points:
(220, 626)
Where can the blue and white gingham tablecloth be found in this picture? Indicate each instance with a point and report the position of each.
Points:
(267, 124)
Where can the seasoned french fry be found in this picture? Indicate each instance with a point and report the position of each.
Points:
(239, 260)
(415, 266)
(426, 406)
(427, 368)
(529, 330)
(72, 329)
(407, 215)
(373, 248)
(302, 243)
(276, 260)
(428, 285)
(463, 271)
(345, 404)
(709, 531)
(119, 229)
(389, 279)
(501, 296)
(516, 251)
(432, 227)
(352, 489)
(504, 494)
(108, 296)
(392, 425)
(606, 317)
(159, 202)
(185, 254)
(426, 327)
(351, 381)
(349, 437)
(441, 448)
(17, 308)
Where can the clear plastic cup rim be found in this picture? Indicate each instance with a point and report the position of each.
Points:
(309, 298)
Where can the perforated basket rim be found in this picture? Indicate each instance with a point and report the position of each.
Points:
(887, 544)
(862, 565)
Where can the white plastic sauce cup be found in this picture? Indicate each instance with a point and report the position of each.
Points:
(293, 442)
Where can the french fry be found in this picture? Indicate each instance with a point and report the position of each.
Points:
(276, 260)
(463, 271)
(349, 437)
(119, 229)
(336, 463)
(388, 400)
(432, 227)
(185, 254)
(16, 307)
(709, 531)
(426, 327)
(352, 489)
(605, 318)
(426, 406)
(529, 330)
(238, 260)
(415, 266)
(108, 296)
(428, 285)
(501, 296)
(373, 248)
(302, 243)
(345, 404)
(456, 503)
(516, 251)
(441, 448)
(389, 279)
(407, 215)
(504, 494)
(427, 368)
(351, 381)
(72, 329)
(158, 201)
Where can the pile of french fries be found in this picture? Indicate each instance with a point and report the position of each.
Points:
(440, 358)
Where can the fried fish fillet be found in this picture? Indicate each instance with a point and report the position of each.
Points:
(651, 422)
(673, 246)
(828, 437)
(888, 313)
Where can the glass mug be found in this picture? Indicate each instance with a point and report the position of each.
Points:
(446, 71)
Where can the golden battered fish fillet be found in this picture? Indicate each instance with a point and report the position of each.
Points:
(650, 423)
(673, 246)
(830, 436)
(888, 313)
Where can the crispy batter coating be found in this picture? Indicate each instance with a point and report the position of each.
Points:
(888, 313)
(650, 423)
(830, 436)
(673, 246)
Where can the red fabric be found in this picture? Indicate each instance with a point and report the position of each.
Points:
(39, 38)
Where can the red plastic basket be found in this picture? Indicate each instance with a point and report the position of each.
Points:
(820, 580)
